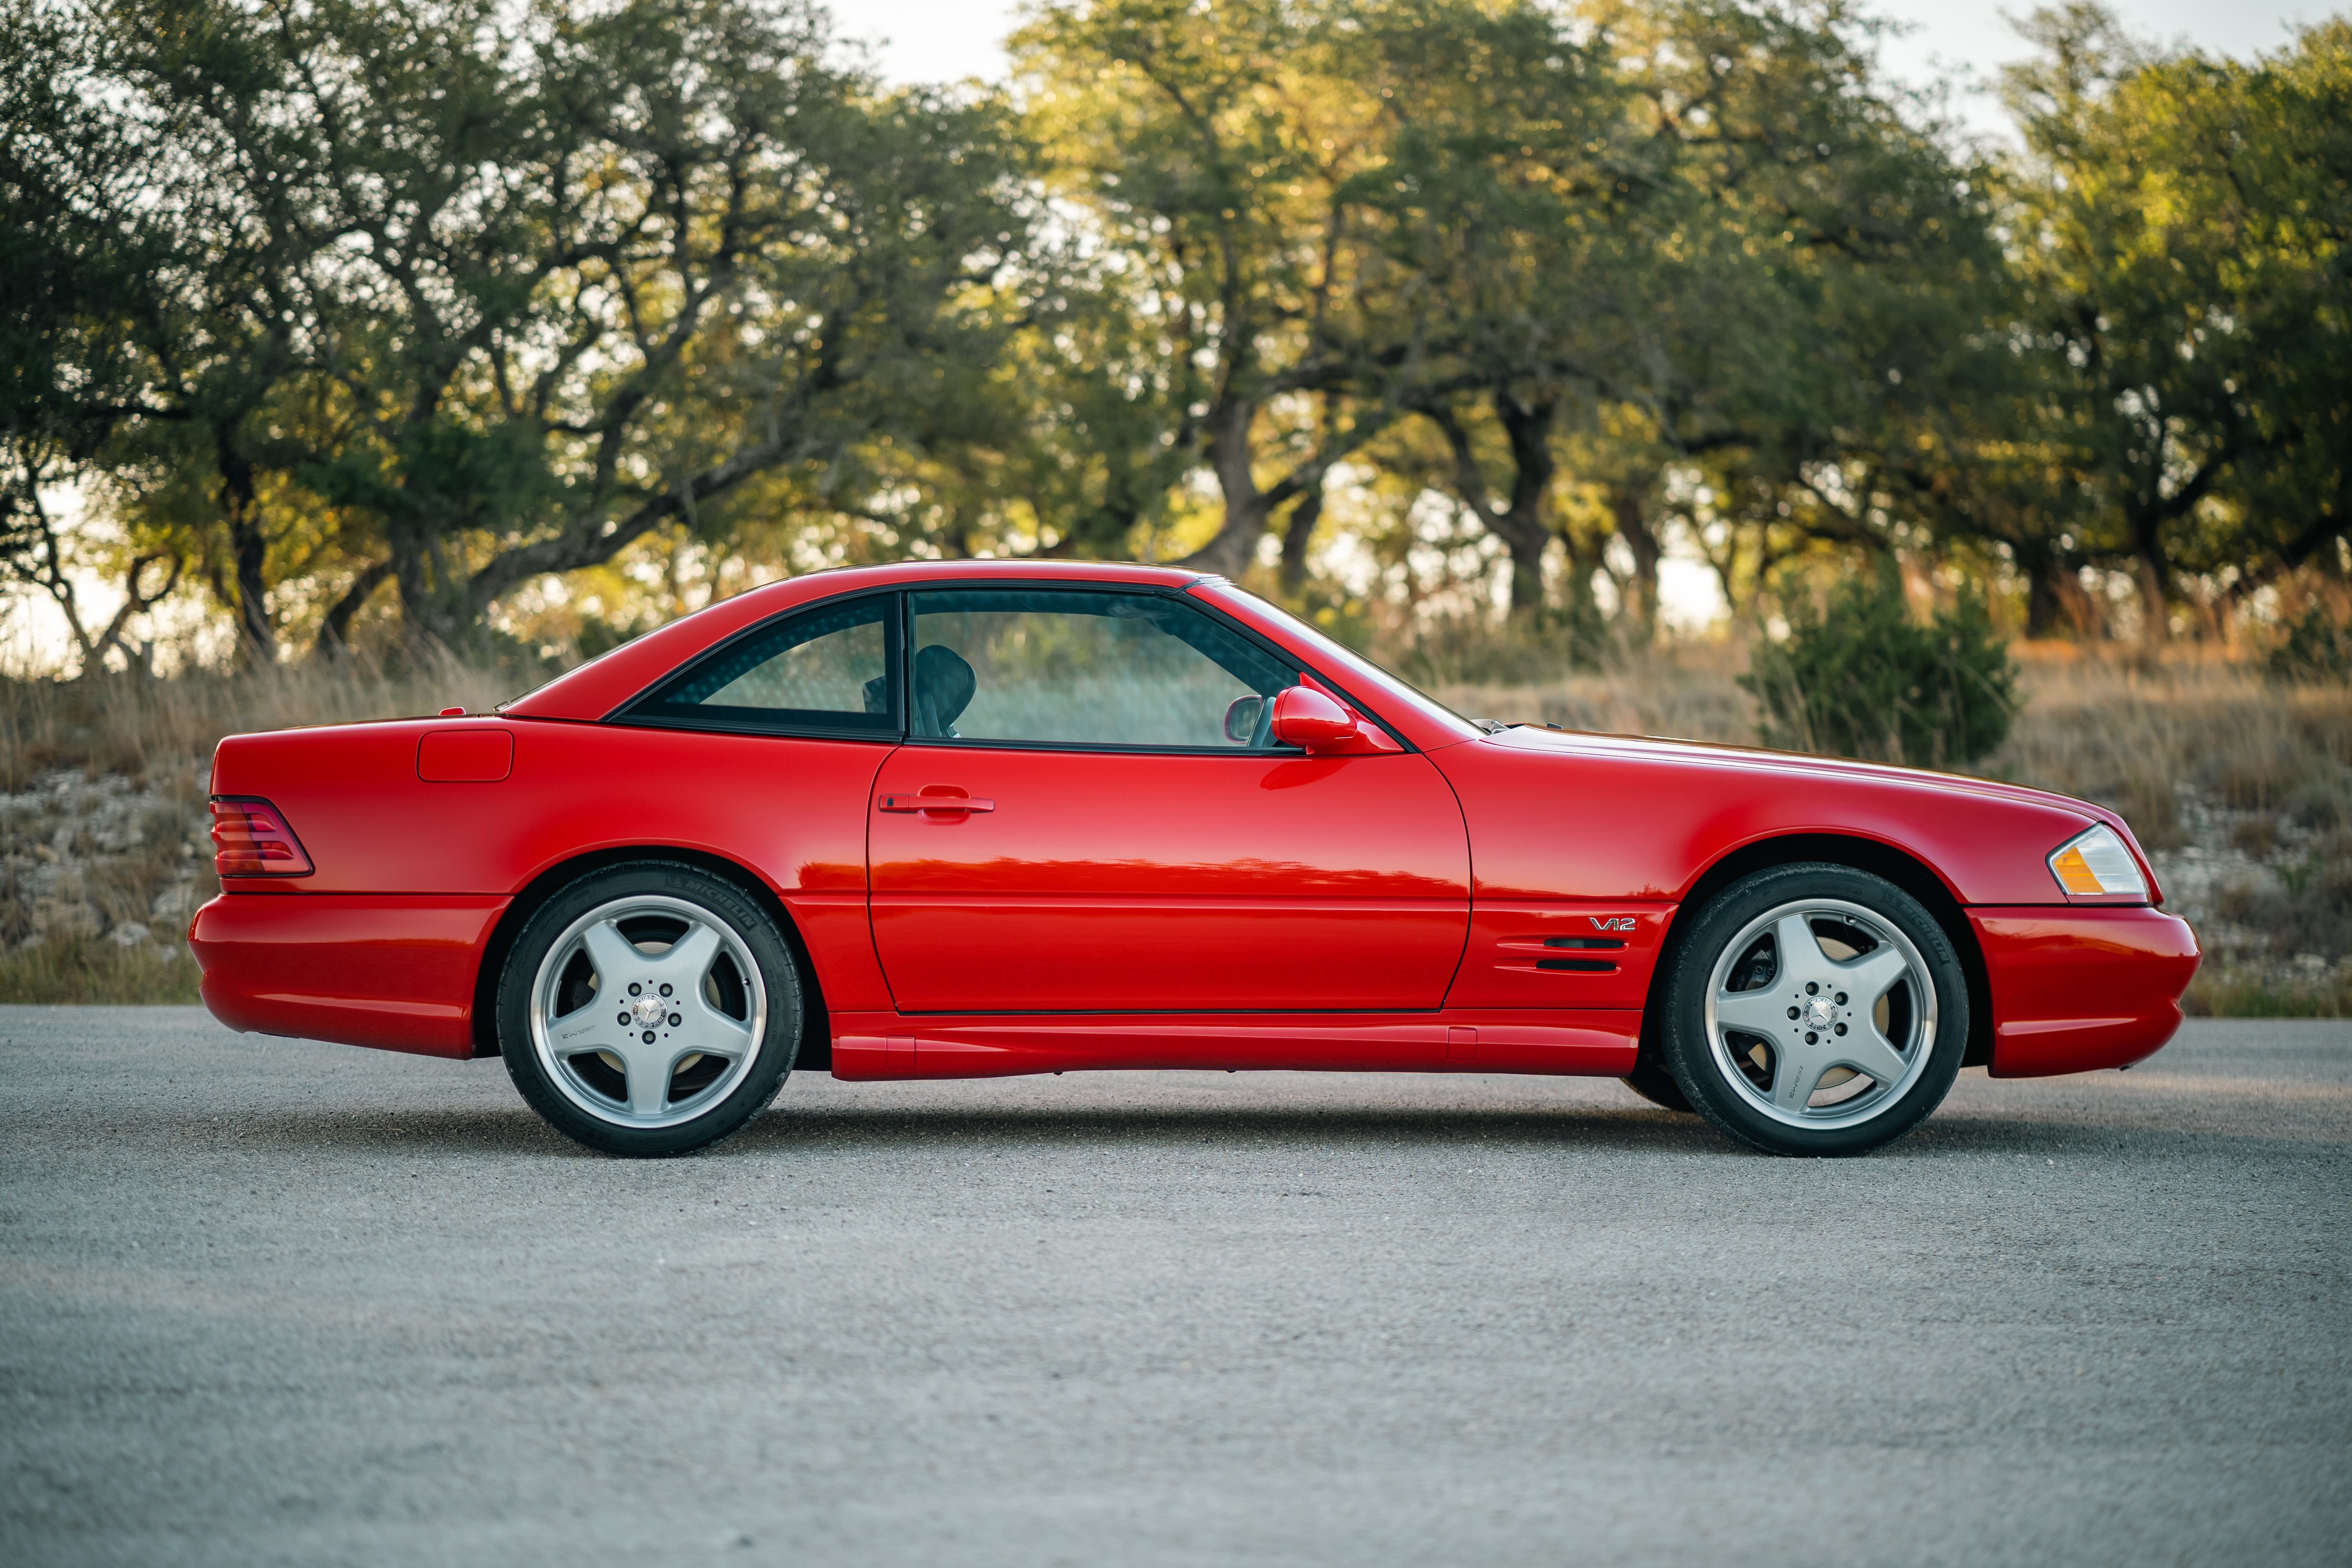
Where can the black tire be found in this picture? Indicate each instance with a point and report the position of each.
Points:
(1656, 1085)
(683, 1115)
(1756, 1085)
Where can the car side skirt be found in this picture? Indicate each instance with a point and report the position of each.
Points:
(393, 972)
(2082, 988)
(1600, 1042)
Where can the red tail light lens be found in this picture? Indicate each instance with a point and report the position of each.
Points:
(250, 839)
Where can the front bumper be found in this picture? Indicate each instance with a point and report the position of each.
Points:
(2082, 988)
(388, 971)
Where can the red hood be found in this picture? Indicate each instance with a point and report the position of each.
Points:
(1760, 759)
(1876, 778)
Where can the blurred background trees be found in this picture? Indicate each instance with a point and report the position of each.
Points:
(509, 329)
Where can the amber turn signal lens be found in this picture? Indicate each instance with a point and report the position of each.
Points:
(2075, 873)
(2096, 864)
(251, 839)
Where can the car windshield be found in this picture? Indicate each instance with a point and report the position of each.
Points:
(1342, 660)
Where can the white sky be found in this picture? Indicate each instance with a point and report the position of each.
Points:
(943, 40)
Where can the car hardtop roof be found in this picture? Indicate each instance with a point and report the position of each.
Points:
(603, 683)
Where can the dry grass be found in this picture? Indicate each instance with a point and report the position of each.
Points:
(2240, 788)
(1688, 690)
(81, 969)
(130, 724)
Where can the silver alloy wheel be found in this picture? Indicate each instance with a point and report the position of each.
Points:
(1814, 1037)
(648, 1011)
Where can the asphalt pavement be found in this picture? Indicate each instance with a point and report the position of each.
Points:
(267, 1301)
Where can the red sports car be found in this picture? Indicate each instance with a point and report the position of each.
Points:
(952, 820)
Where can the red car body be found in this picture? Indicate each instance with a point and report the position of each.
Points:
(1122, 909)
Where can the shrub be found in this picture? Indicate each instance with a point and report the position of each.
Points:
(2315, 648)
(1862, 679)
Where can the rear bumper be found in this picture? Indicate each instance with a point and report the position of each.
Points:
(2079, 988)
(391, 972)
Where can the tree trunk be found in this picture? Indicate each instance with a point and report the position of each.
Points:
(2155, 604)
(1296, 536)
(1521, 524)
(2145, 513)
(334, 631)
(248, 551)
(1525, 546)
(2153, 572)
(2049, 611)
(426, 622)
(1641, 607)
(1230, 553)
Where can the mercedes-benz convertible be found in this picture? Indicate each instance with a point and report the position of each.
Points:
(963, 819)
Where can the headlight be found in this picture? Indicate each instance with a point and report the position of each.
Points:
(2096, 863)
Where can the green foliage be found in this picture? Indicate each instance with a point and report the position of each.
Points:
(2185, 227)
(458, 294)
(2316, 647)
(470, 314)
(1861, 677)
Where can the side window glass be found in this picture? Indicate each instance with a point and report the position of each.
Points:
(825, 670)
(1070, 667)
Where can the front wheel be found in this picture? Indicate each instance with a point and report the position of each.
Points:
(649, 1009)
(1815, 1009)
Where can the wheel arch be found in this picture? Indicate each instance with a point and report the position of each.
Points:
(816, 1036)
(1897, 866)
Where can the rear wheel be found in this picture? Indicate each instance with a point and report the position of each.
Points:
(1815, 1010)
(649, 1009)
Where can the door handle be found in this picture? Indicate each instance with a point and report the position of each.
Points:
(935, 803)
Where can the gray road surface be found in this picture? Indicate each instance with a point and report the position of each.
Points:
(268, 1302)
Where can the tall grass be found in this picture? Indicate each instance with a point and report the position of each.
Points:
(1689, 691)
(75, 971)
(130, 723)
(2151, 738)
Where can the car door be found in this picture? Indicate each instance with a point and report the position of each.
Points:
(1071, 826)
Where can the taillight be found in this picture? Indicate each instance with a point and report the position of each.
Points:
(250, 839)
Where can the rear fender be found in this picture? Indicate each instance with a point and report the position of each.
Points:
(817, 1039)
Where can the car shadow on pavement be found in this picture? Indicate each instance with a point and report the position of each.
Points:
(815, 1132)
(784, 1132)
(1633, 1128)
(410, 1132)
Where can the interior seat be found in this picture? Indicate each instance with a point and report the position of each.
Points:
(944, 685)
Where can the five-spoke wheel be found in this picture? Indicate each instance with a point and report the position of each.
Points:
(1815, 1009)
(649, 1009)
(645, 1008)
